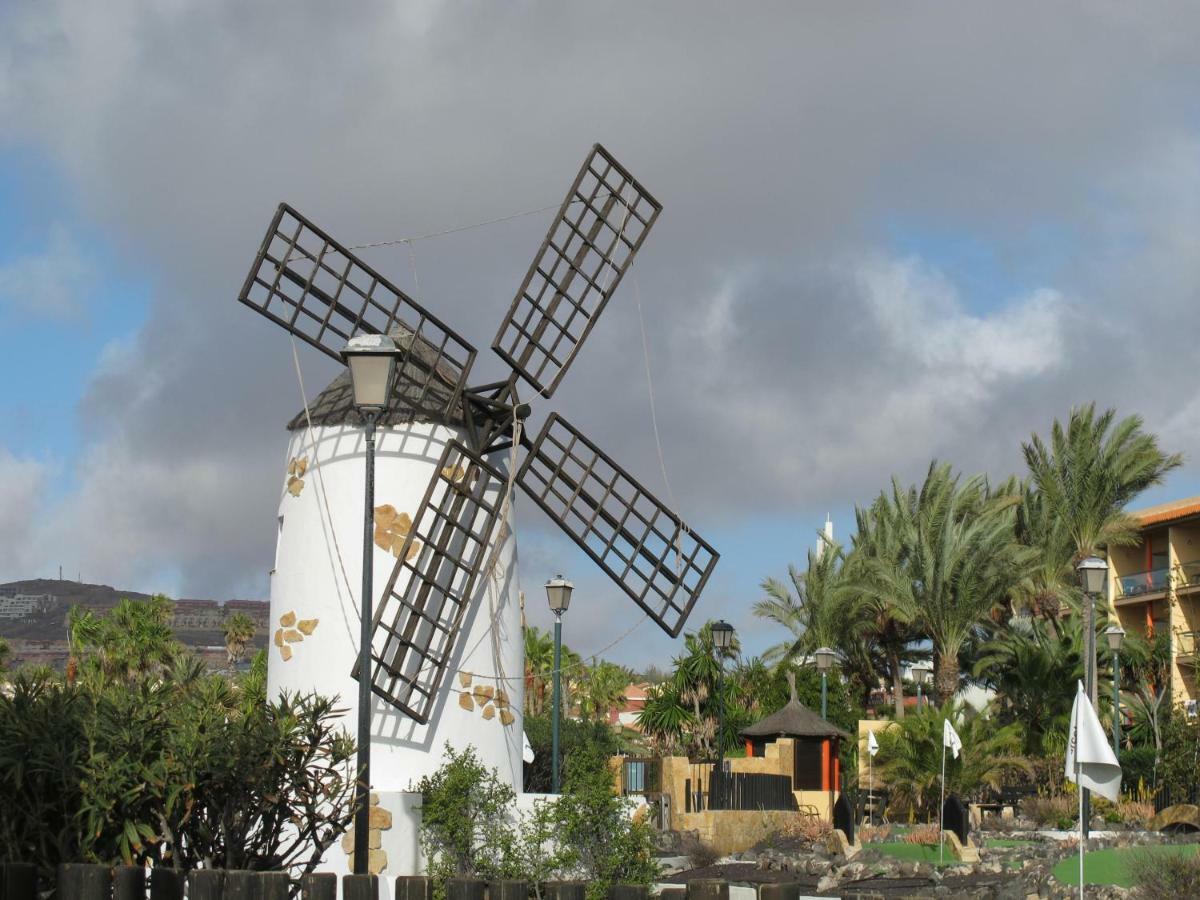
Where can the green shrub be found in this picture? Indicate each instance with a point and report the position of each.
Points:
(146, 759)
(468, 818)
(573, 735)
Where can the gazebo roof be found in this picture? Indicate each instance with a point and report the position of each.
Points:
(794, 719)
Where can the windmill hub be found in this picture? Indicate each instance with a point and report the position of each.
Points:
(446, 651)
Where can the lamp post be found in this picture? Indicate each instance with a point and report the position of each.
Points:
(371, 359)
(825, 659)
(558, 595)
(722, 638)
(920, 673)
(1093, 573)
(1116, 637)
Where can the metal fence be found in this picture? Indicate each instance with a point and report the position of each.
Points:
(738, 791)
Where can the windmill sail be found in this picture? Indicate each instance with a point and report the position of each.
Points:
(308, 283)
(589, 247)
(433, 582)
(639, 543)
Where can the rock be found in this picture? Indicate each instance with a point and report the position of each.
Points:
(827, 883)
(378, 817)
(818, 866)
(1178, 817)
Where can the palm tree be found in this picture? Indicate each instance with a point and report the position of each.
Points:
(814, 614)
(959, 561)
(664, 719)
(1091, 470)
(1049, 578)
(1033, 666)
(602, 688)
(910, 756)
(239, 632)
(886, 626)
(539, 669)
(132, 638)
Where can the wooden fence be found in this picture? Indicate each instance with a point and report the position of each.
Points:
(91, 882)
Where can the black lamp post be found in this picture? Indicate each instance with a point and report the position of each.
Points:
(371, 359)
(1116, 637)
(558, 594)
(722, 638)
(825, 660)
(1093, 575)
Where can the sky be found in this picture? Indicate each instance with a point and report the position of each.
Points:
(892, 232)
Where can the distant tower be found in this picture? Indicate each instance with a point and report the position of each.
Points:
(825, 538)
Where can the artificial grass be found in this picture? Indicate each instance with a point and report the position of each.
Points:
(1006, 842)
(1111, 866)
(927, 853)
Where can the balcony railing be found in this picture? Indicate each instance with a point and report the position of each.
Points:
(1143, 583)
(1188, 574)
(1185, 643)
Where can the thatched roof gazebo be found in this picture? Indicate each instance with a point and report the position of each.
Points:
(816, 741)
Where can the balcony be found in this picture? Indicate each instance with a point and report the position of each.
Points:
(1139, 584)
(1187, 576)
(1185, 647)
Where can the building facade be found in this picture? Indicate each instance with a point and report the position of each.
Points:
(1154, 587)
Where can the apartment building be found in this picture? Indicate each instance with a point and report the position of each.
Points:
(1154, 586)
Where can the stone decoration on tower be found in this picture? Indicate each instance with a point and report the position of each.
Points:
(292, 631)
(296, 469)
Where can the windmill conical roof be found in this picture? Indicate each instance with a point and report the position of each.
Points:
(794, 719)
(412, 400)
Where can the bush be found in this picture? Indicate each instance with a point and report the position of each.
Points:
(1058, 811)
(168, 766)
(699, 853)
(596, 825)
(467, 819)
(807, 828)
(573, 735)
(927, 835)
(1137, 768)
(1165, 876)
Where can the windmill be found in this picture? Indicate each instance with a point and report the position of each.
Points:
(448, 439)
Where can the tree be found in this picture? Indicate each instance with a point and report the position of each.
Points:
(132, 639)
(1091, 470)
(466, 818)
(601, 689)
(910, 757)
(539, 669)
(239, 632)
(959, 562)
(1033, 667)
(815, 613)
(610, 846)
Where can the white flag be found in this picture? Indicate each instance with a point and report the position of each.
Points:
(950, 738)
(1087, 748)
(872, 744)
(526, 750)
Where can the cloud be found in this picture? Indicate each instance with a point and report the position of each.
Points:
(22, 485)
(47, 284)
(799, 359)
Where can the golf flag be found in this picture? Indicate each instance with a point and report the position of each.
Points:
(950, 738)
(872, 744)
(526, 748)
(1088, 749)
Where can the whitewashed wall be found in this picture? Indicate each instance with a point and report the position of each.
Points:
(307, 582)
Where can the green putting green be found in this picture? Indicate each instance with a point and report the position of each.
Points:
(1110, 866)
(1006, 842)
(915, 852)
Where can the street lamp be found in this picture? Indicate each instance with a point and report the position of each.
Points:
(722, 638)
(558, 595)
(825, 660)
(920, 674)
(371, 359)
(1116, 637)
(1093, 575)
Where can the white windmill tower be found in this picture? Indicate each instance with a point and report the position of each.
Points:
(447, 648)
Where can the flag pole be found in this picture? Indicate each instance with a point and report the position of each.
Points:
(871, 788)
(1079, 786)
(942, 809)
